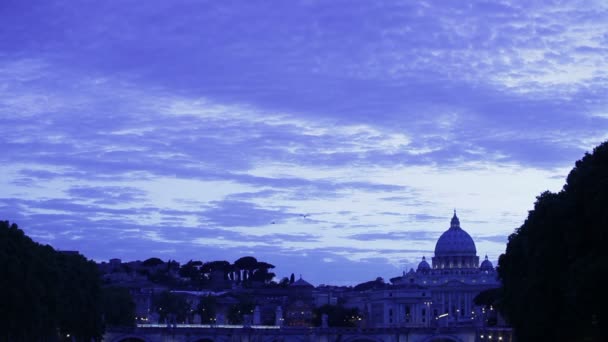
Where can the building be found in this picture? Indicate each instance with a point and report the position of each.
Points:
(437, 294)
(299, 311)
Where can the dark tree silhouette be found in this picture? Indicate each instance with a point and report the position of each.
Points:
(284, 283)
(118, 307)
(151, 262)
(206, 308)
(237, 312)
(45, 293)
(262, 275)
(191, 270)
(337, 316)
(372, 284)
(245, 265)
(171, 307)
(553, 269)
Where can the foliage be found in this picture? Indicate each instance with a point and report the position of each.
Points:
(368, 285)
(553, 269)
(152, 262)
(243, 266)
(284, 283)
(207, 308)
(80, 309)
(337, 316)
(262, 275)
(118, 306)
(171, 307)
(237, 311)
(488, 298)
(192, 271)
(45, 292)
(246, 263)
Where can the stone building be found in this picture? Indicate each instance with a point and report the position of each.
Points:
(440, 294)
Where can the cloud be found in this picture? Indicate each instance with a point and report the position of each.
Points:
(403, 236)
(494, 238)
(107, 195)
(155, 125)
(238, 213)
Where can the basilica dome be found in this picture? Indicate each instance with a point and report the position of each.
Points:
(486, 265)
(455, 241)
(423, 265)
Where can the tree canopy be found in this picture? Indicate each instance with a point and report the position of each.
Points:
(372, 284)
(118, 306)
(171, 307)
(555, 264)
(45, 292)
(151, 262)
(337, 316)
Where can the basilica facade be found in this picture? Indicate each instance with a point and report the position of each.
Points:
(437, 294)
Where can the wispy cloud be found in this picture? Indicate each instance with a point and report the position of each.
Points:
(330, 129)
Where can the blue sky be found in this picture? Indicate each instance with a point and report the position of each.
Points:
(330, 138)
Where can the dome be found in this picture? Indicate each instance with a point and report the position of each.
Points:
(423, 265)
(455, 241)
(301, 283)
(486, 265)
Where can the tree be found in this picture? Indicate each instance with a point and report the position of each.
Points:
(284, 283)
(171, 307)
(206, 308)
(489, 299)
(152, 262)
(263, 276)
(118, 306)
(553, 269)
(337, 316)
(192, 271)
(372, 284)
(244, 306)
(45, 292)
(246, 264)
(80, 306)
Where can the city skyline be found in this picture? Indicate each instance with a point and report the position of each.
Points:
(332, 139)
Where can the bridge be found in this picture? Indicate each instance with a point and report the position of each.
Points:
(192, 333)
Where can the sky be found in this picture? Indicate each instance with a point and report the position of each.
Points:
(332, 139)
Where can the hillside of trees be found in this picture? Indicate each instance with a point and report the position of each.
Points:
(246, 272)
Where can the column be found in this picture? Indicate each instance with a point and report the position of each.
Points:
(450, 303)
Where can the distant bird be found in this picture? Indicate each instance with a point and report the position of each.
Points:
(304, 215)
(272, 222)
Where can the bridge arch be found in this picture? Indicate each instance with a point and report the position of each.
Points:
(206, 338)
(442, 338)
(129, 338)
(362, 339)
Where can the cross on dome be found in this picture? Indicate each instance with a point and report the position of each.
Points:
(455, 222)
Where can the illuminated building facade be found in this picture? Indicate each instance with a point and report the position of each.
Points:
(440, 294)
